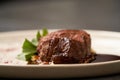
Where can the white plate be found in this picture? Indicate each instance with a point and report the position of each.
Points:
(102, 42)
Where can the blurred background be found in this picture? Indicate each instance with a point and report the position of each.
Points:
(57, 14)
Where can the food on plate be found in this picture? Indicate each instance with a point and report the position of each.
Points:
(65, 46)
(59, 47)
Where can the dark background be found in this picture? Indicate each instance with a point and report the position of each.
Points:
(57, 14)
(54, 14)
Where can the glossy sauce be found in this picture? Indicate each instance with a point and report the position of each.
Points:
(105, 57)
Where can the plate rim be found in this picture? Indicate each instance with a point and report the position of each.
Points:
(40, 71)
(88, 64)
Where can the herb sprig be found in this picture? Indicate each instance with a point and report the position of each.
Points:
(29, 47)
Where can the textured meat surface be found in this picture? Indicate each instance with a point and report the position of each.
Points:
(65, 46)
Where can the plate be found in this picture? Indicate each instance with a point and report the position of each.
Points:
(102, 42)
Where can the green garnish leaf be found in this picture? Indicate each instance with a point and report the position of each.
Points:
(44, 32)
(38, 35)
(28, 56)
(25, 57)
(21, 56)
(34, 41)
(29, 48)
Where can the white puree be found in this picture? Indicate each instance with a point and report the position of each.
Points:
(8, 53)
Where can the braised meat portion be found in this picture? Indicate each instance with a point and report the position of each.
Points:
(65, 46)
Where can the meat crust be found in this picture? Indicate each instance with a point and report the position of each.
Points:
(65, 46)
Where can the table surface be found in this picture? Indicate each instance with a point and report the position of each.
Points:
(63, 14)
(108, 77)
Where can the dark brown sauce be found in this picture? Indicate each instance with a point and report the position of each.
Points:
(105, 57)
(99, 58)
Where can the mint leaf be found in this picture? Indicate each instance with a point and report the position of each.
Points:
(28, 56)
(25, 57)
(28, 47)
(21, 56)
(34, 41)
(38, 35)
(44, 32)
